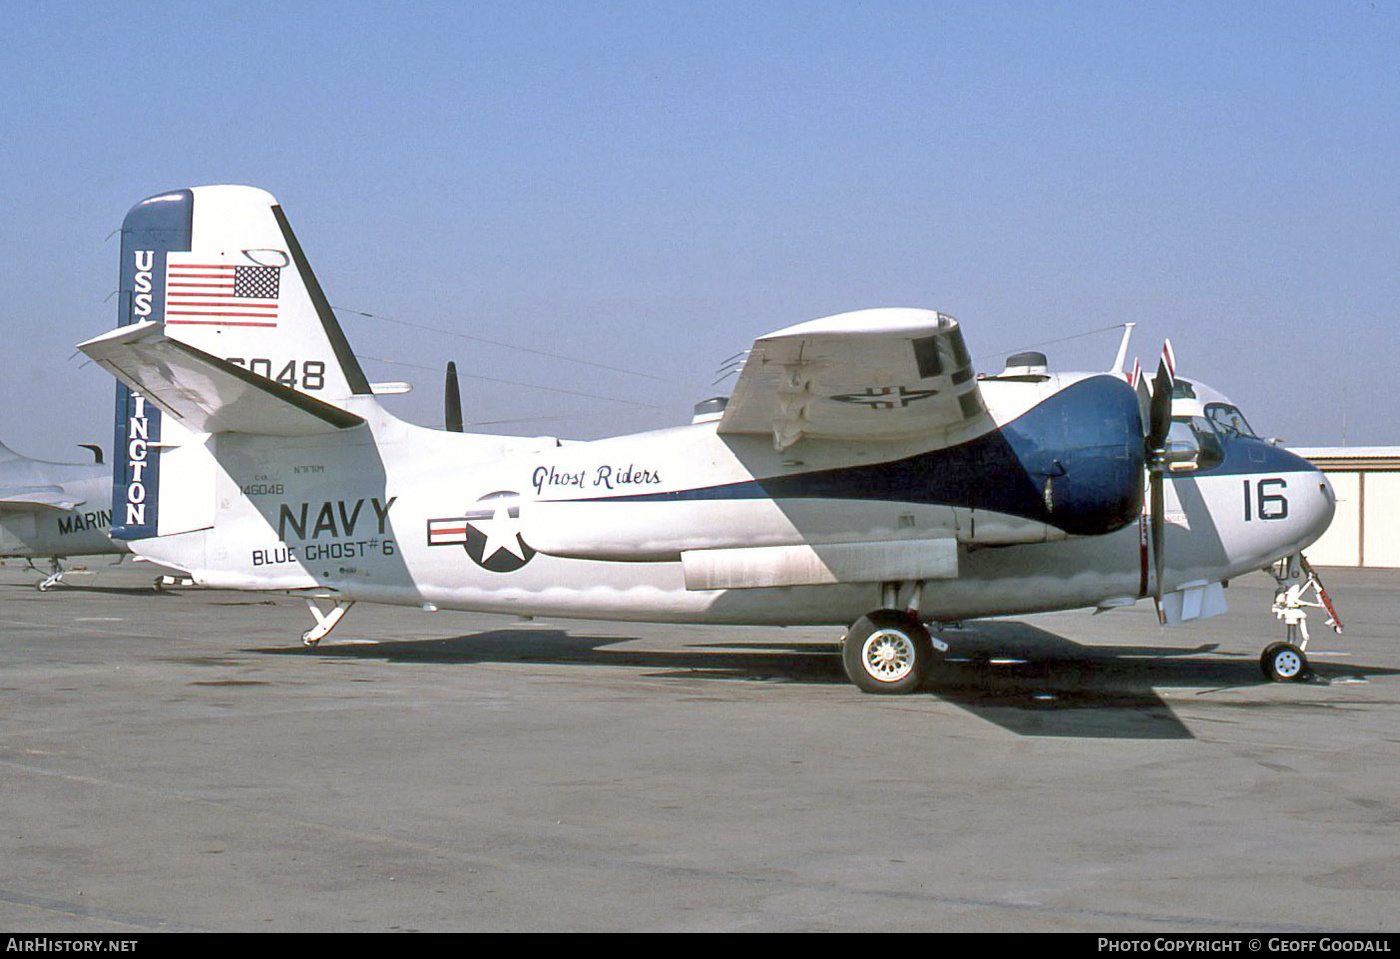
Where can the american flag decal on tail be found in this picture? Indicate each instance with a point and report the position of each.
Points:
(201, 291)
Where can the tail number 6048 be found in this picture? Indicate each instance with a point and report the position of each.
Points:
(313, 372)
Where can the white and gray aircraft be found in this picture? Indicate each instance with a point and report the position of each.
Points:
(860, 473)
(55, 510)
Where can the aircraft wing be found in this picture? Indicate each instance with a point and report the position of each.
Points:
(869, 375)
(207, 394)
(37, 497)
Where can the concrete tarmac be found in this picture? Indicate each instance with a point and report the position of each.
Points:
(177, 761)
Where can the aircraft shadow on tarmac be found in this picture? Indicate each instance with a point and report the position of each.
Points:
(1025, 679)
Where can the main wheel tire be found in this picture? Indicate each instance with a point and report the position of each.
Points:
(887, 652)
(1284, 663)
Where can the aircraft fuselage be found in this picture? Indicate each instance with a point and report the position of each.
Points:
(1038, 508)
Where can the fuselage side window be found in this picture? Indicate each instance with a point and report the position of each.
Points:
(1193, 444)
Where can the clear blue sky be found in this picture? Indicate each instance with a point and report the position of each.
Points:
(652, 185)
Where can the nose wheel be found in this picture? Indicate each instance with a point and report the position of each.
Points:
(1285, 663)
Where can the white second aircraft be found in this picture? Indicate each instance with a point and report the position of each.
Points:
(859, 473)
(55, 510)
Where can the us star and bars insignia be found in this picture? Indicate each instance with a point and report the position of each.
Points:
(201, 290)
(490, 534)
(884, 397)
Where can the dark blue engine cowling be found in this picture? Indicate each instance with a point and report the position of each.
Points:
(1084, 449)
(1074, 461)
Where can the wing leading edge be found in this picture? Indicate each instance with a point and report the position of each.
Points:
(37, 498)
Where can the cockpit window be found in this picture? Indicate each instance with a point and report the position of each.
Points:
(1229, 420)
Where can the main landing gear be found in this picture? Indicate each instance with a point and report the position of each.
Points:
(891, 651)
(57, 573)
(54, 576)
(1287, 661)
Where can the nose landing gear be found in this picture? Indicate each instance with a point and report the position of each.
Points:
(1287, 661)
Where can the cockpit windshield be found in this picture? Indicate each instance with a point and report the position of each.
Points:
(1228, 420)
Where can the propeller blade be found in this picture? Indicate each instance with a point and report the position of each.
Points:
(1143, 388)
(1157, 524)
(1158, 427)
(1160, 413)
(452, 400)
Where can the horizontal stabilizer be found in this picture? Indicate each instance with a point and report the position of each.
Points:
(207, 394)
(807, 565)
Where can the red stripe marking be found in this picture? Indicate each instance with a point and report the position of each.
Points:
(223, 306)
(217, 323)
(220, 309)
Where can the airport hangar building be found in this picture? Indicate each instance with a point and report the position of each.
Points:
(1366, 530)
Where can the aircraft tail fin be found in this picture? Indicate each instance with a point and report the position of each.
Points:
(219, 269)
(220, 266)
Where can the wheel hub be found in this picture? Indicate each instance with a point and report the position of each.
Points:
(888, 655)
(1287, 663)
